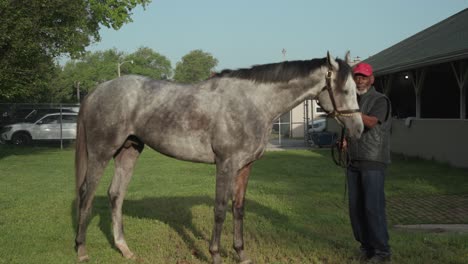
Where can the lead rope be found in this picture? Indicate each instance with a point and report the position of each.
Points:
(345, 185)
(341, 158)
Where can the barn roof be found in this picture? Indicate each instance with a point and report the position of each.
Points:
(443, 42)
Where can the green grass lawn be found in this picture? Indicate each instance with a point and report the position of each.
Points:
(295, 212)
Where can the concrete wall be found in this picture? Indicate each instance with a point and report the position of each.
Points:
(443, 140)
(297, 121)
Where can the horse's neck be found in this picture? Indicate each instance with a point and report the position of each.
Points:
(271, 99)
(282, 97)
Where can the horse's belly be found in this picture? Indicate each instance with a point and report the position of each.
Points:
(185, 149)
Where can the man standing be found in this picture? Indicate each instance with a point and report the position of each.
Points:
(369, 157)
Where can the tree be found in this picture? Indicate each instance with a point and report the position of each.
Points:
(194, 67)
(34, 33)
(86, 73)
(100, 66)
(148, 63)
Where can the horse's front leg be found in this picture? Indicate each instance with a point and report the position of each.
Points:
(240, 188)
(224, 176)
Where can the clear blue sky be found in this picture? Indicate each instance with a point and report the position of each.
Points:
(243, 33)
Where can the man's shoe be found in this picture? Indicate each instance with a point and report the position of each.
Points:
(380, 259)
(365, 254)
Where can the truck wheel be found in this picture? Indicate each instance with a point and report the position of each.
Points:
(21, 139)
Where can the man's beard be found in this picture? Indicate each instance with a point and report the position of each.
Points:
(361, 92)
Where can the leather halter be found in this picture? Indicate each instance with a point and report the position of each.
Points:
(336, 112)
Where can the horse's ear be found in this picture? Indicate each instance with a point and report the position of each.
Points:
(332, 65)
(348, 58)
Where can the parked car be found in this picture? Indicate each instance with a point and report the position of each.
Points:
(317, 125)
(28, 114)
(318, 134)
(47, 127)
(323, 138)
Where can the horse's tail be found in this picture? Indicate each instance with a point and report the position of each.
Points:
(81, 156)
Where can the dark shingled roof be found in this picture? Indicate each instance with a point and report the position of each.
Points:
(443, 42)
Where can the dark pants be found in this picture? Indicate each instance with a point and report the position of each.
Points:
(367, 209)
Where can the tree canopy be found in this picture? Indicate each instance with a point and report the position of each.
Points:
(94, 68)
(197, 65)
(149, 63)
(34, 33)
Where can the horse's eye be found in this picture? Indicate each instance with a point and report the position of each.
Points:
(346, 92)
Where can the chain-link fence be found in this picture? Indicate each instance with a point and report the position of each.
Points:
(23, 124)
(297, 127)
(27, 122)
(15, 113)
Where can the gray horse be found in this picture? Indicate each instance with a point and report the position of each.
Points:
(225, 120)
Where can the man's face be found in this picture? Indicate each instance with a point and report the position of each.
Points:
(363, 83)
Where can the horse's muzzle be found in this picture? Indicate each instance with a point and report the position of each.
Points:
(352, 123)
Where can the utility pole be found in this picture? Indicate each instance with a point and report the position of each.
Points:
(279, 119)
(77, 84)
(120, 64)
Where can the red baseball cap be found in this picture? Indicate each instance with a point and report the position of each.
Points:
(363, 68)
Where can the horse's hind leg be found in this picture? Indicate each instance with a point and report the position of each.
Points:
(95, 169)
(224, 176)
(240, 187)
(125, 161)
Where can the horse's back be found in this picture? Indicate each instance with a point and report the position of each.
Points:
(120, 90)
(127, 94)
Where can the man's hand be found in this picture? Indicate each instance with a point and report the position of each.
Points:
(369, 121)
(343, 146)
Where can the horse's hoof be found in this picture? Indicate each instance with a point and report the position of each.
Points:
(81, 252)
(83, 258)
(129, 256)
(217, 259)
(126, 252)
(243, 257)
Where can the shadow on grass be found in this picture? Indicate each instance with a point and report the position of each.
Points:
(7, 150)
(176, 212)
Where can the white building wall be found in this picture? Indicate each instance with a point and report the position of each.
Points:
(298, 117)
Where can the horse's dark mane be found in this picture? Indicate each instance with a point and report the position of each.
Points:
(284, 71)
(275, 72)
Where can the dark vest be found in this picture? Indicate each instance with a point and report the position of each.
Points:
(374, 144)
